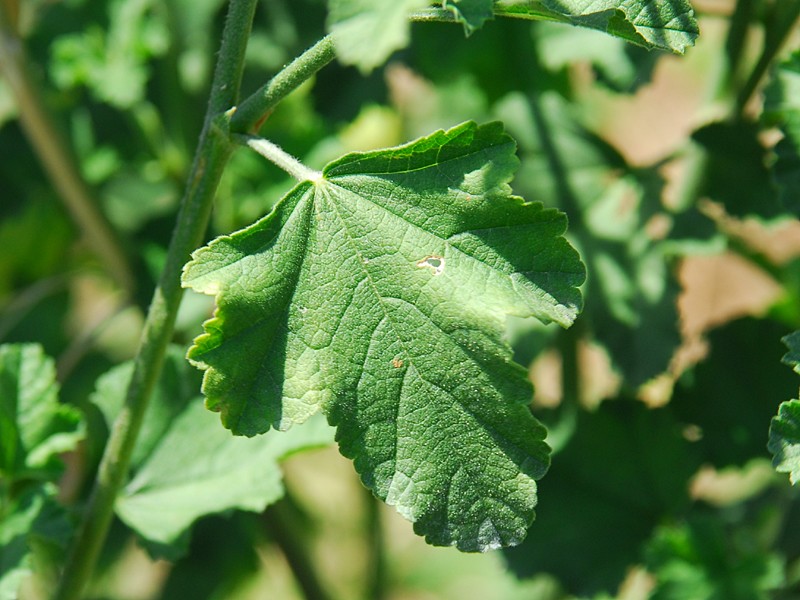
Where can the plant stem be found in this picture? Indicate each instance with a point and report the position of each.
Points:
(737, 36)
(276, 155)
(277, 521)
(56, 157)
(376, 566)
(252, 111)
(213, 151)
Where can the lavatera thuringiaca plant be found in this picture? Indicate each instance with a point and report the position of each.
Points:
(377, 292)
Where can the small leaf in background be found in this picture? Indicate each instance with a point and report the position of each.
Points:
(379, 293)
(186, 466)
(702, 559)
(784, 431)
(366, 32)
(472, 14)
(792, 357)
(34, 427)
(619, 65)
(651, 23)
(34, 430)
(32, 521)
(113, 63)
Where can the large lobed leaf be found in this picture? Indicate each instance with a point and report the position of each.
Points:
(784, 431)
(378, 293)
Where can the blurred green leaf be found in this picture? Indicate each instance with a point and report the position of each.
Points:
(472, 14)
(186, 466)
(619, 65)
(366, 32)
(633, 312)
(34, 427)
(700, 560)
(28, 256)
(389, 316)
(113, 62)
(34, 430)
(32, 520)
(651, 23)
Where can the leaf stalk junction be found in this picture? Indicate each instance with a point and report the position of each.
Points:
(279, 157)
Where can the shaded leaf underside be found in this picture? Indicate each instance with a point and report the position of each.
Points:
(379, 294)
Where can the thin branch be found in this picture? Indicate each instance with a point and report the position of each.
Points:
(277, 521)
(212, 154)
(56, 157)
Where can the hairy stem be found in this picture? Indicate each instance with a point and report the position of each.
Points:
(276, 155)
(252, 111)
(55, 155)
(213, 151)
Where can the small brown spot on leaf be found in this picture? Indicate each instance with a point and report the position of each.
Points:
(397, 363)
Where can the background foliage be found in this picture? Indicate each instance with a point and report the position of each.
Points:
(679, 176)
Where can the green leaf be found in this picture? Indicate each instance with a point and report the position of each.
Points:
(650, 23)
(702, 560)
(784, 431)
(472, 14)
(633, 312)
(378, 293)
(366, 32)
(186, 466)
(34, 427)
(792, 357)
(113, 62)
(34, 519)
(619, 65)
(784, 440)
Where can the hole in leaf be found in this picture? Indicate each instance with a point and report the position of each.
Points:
(434, 263)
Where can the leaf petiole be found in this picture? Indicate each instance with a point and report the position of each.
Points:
(278, 156)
